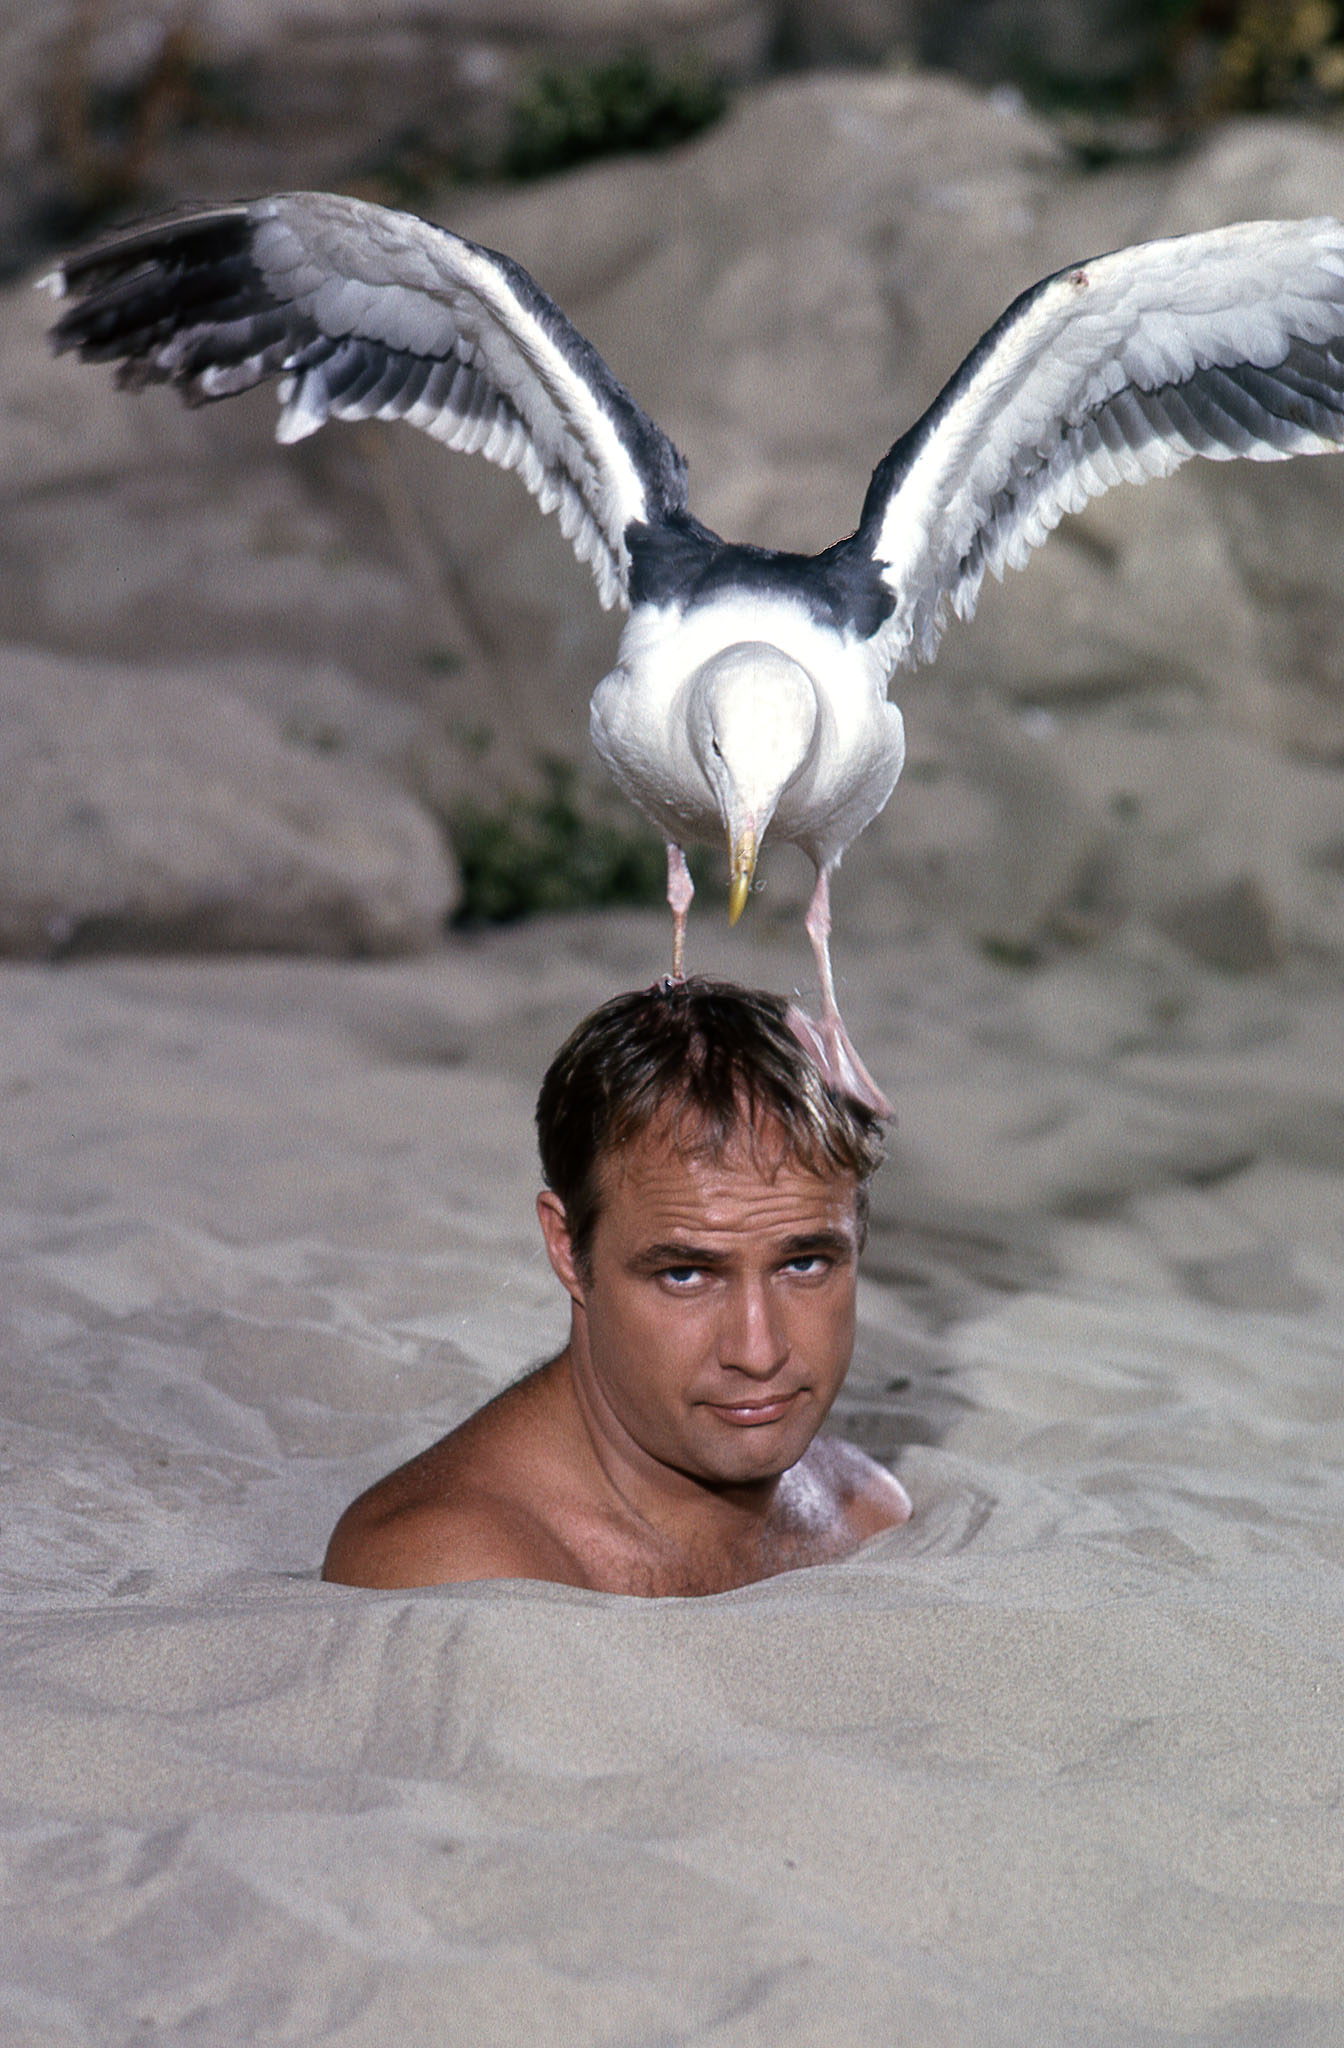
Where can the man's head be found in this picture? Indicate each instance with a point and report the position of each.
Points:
(704, 1214)
(718, 1064)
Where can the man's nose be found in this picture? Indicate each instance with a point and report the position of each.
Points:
(753, 1338)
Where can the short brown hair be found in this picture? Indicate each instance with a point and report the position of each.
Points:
(721, 1059)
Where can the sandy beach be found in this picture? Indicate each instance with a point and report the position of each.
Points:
(1059, 1762)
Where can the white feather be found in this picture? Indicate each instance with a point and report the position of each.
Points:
(395, 281)
(1090, 382)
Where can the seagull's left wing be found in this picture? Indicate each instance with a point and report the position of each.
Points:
(1112, 371)
(366, 313)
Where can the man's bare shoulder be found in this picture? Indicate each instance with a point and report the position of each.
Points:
(461, 1510)
(864, 1494)
(441, 1543)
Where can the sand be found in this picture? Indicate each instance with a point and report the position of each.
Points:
(1061, 1762)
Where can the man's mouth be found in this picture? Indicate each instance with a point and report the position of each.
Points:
(752, 1414)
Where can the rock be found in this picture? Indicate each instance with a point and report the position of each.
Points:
(1054, 43)
(851, 32)
(135, 102)
(146, 808)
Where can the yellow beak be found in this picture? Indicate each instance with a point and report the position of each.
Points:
(742, 855)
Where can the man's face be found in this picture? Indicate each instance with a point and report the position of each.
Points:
(715, 1317)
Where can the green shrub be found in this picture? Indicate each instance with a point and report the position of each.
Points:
(569, 116)
(559, 848)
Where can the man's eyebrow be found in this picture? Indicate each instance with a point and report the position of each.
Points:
(838, 1241)
(805, 1244)
(674, 1253)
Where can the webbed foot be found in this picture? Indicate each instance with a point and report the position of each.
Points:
(830, 1045)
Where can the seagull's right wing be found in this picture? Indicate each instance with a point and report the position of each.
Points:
(371, 314)
(1113, 371)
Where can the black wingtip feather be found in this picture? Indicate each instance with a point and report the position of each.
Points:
(174, 302)
(130, 294)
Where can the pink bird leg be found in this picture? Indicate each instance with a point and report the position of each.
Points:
(680, 890)
(828, 1041)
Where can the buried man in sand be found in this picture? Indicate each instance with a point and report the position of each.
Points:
(704, 1211)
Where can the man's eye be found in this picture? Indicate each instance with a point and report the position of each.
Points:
(680, 1276)
(809, 1264)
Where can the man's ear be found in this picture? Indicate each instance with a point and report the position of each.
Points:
(559, 1245)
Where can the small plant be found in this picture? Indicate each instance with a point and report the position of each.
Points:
(1277, 53)
(563, 116)
(569, 116)
(549, 851)
(1190, 62)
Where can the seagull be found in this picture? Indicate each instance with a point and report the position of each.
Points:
(749, 692)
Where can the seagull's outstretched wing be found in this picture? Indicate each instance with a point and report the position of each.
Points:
(370, 314)
(1112, 371)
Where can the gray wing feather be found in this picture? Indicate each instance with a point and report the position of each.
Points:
(365, 313)
(1117, 370)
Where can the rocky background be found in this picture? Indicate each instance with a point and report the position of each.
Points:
(280, 698)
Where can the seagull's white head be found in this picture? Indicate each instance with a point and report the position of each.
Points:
(752, 717)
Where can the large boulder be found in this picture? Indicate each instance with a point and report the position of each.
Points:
(160, 809)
